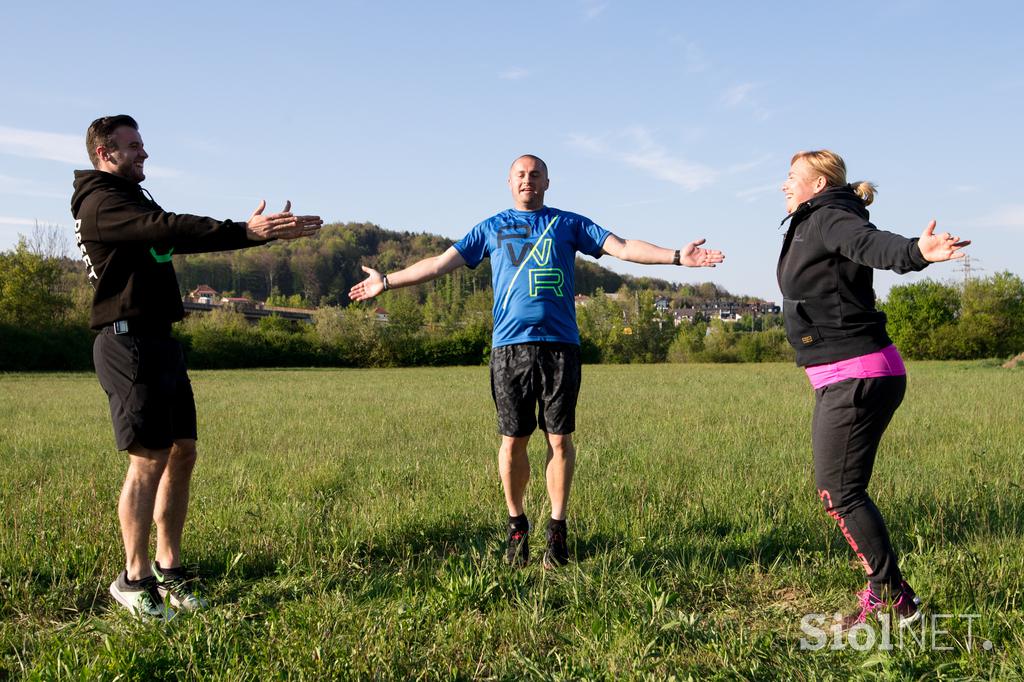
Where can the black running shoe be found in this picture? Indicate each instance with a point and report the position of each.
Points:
(518, 553)
(557, 553)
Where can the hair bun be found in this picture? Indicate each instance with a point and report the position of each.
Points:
(865, 190)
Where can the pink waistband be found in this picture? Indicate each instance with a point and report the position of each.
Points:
(883, 363)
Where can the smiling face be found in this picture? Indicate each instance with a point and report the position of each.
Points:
(125, 157)
(528, 180)
(802, 183)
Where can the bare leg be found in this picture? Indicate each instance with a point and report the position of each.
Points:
(514, 467)
(561, 464)
(135, 506)
(172, 502)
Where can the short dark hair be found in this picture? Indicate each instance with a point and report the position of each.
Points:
(101, 134)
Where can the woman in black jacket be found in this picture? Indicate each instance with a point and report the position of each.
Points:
(825, 273)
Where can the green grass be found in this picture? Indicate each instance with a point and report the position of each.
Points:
(349, 523)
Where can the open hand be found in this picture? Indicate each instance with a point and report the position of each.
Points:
(940, 247)
(369, 287)
(281, 225)
(692, 256)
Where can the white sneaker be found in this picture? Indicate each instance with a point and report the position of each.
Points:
(142, 599)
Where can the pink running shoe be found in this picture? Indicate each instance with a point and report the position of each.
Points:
(905, 604)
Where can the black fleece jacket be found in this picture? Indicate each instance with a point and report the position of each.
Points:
(825, 273)
(126, 241)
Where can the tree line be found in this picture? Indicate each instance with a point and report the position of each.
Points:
(45, 298)
(319, 271)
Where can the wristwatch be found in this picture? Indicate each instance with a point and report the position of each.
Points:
(675, 258)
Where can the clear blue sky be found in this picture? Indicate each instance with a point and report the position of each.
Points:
(663, 121)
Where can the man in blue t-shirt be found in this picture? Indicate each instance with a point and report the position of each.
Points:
(535, 349)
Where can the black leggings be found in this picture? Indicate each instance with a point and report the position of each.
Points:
(849, 419)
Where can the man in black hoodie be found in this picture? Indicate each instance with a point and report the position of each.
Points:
(127, 242)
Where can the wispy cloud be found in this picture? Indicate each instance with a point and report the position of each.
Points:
(8, 221)
(36, 144)
(754, 193)
(1010, 217)
(688, 175)
(593, 8)
(737, 94)
(588, 143)
(515, 73)
(742, 95)
(636, 147)
(693, 57)
(70, 149)
(744, 166)
(28, 188)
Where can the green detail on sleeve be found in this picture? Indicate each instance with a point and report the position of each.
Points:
(161, 257)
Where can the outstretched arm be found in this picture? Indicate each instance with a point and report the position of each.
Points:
(636, 251)
(854, 237)
(196, 234)
(940, 247)
(417, 273)
(281, 225)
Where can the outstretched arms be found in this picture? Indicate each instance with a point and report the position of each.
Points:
(940, 247)
(636, 251)
(417, 273)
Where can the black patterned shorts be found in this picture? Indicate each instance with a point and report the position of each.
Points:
(535, 384)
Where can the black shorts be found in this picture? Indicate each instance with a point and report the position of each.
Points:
(535, 383)
(150, 394)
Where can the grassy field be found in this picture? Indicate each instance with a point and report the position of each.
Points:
(349, 523)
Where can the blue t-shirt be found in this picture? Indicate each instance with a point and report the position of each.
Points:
(533, 259)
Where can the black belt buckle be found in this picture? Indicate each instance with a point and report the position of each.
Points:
(121, 327)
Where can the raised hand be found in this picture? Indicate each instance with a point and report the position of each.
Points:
(692, 256)
(369, 287)
(281, 225)
(940, 247)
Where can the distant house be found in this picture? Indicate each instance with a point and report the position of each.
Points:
(203, 293)
(661, 304)
(680, 315)
(380, 314)
(582, 299)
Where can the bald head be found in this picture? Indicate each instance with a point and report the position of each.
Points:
(528, 180)
(536, 159)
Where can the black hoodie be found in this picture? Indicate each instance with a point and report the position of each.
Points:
(126, 241)
(825, 274)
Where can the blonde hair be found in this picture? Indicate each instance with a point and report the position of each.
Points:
(832, 167)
